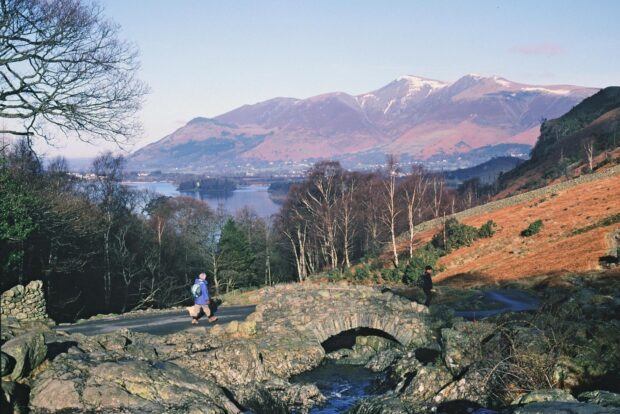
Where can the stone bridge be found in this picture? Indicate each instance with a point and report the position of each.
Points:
(291, 322)
(211, 366)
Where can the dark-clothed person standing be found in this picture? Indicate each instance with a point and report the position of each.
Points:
(427, 284)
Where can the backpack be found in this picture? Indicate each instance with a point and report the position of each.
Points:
(196, 290)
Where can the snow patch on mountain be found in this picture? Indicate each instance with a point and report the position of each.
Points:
(418, 83)
(545, 90)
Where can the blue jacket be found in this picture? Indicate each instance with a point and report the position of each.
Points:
(203, 299)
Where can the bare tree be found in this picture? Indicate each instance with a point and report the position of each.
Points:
(321, 201)
(63, 67)
(392, 211)
(108, 193)
(297, 238)
(210, 230)
(414, 189)
(372, 214)
(127, 262)
(347, 212)
(437, 185)
(292, 223)
(588, 147)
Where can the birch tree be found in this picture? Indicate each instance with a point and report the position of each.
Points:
(414, 189)
(392, 211)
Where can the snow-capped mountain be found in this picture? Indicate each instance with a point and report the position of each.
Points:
(410, 115)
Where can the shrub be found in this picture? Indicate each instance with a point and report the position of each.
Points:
(487, 229)
(363, 272)
(390, 275)
(533, 228)
(455, 235)
(376, 265)
(334, 274)
(348, 274)
(415, 266)
(607, 221)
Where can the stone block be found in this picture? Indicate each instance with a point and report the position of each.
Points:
(28, 351)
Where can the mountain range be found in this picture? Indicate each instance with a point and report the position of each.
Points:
(411, 116)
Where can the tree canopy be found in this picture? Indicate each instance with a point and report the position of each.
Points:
(64, 69)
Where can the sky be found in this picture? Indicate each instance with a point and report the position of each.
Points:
(206, 57)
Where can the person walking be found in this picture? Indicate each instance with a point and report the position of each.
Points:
(200, 291)
(427, 284)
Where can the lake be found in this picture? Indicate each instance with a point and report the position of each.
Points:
(257, 197)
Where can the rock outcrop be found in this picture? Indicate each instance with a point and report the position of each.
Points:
(22, 355)
(89, 382)
(428, 365)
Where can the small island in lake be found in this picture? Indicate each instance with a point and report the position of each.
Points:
(208, 185)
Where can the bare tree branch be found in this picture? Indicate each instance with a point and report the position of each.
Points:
(63, 68)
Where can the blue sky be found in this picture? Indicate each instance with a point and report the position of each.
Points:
(203, 58)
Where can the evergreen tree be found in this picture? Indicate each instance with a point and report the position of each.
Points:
(237, 259)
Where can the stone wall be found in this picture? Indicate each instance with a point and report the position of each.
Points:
(24, 303)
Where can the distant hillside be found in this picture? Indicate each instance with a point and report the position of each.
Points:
(410, 116)
(561, 151)
(486, 172)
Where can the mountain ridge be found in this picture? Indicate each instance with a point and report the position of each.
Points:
(560, 151)
(411, 115)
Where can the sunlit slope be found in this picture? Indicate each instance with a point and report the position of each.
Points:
(574, 236)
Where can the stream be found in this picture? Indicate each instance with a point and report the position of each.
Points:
(342, 385)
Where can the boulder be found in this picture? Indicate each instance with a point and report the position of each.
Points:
(472, 387)
(121, 343)
(603, 398)
(247, 329)
(14, 398)
(300, 396)
(83, 382)
(543, 396)
(400, 373)
(385, 405)
(7, 363)
(236, 363)
(256, 398)
(28, 351)
(564, 407)
(428, 381)
(462, 344)
(383, 359)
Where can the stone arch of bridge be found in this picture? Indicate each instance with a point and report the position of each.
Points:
(338, 323)
(348, 339)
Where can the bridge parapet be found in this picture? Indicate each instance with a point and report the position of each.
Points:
(319, 311)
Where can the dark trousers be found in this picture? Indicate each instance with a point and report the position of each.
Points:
(427, 293)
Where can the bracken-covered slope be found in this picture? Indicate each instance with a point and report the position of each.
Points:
(410, 116)
(580, 223)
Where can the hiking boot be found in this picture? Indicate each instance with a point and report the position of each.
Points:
(213, 319)
(194, 321)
